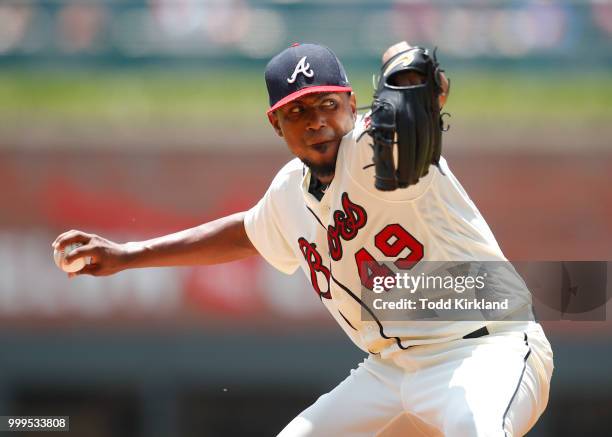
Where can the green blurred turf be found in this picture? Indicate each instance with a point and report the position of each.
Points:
(219, 96)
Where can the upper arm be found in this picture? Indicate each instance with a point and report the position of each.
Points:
(242, 238)
(233, 232)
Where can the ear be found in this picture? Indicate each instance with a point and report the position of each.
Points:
(275, 124)
(353, 103)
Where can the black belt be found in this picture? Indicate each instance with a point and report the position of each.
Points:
(478, 333)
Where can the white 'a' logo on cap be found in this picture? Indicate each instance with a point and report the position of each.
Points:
(301, 67)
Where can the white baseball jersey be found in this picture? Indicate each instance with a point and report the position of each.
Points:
(433, 220)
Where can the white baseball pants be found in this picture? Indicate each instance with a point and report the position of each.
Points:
(494, 386)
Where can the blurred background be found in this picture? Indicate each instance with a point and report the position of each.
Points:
(133, 118)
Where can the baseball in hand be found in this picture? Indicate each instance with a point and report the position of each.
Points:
(74, 266)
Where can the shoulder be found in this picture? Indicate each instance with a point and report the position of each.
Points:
(290, 174)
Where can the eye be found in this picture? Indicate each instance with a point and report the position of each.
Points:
(329, 103)
(296, 110)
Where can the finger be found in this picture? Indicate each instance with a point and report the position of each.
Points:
(67, 234)
(71, 237)
(63, 235)
(394, 50)
(445, 84)
(89, 269)
(81, 252)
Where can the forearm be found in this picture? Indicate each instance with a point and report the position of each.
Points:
(219, 241)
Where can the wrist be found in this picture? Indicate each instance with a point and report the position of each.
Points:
(133, 253)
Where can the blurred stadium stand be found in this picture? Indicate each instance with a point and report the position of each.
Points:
(132, 118)
(205, 30)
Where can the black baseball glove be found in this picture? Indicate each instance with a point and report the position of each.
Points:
(406, 112)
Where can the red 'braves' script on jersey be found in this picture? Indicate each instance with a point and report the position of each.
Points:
(347, 223)
(315, 263)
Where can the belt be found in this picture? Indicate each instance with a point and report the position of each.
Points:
(478, 333)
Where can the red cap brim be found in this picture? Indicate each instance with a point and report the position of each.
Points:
(309, 90)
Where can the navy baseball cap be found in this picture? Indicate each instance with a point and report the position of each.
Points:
(304, 69)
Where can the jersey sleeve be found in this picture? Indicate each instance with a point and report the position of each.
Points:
(263, 227)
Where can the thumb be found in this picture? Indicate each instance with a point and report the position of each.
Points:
(81, 252)
(89, 269)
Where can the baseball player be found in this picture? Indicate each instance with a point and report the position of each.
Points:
(334, 215)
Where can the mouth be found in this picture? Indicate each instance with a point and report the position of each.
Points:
(322, 146)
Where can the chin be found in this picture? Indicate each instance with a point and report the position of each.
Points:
(321, 170)
(324, 164)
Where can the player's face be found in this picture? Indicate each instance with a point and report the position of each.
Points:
(313, 127)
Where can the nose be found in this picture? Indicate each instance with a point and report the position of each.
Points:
(316, 120)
